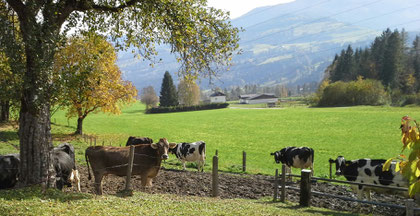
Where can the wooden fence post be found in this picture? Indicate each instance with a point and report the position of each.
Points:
(129, 170)
(215, 177)
(305, 188)
(276, 186)
(283, 183)
(103, 142)
(244, 161)
(217, 152)
(95, 140)
(409, 207)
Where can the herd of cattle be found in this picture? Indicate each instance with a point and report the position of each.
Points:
(148, 157)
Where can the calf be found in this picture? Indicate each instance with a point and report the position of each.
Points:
(64, 164)
(302, 157)
(9, 170)
(138, 140)
(369, 171)
(195, 151)
(106, 160)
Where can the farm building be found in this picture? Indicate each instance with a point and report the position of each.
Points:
(217, 97)
(257, 98)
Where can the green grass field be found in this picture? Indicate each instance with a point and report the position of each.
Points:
(354, 132)
(31, 201)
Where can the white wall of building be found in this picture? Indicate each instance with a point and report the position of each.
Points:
(218, 99)
(270, 100)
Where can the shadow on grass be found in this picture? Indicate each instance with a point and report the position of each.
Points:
(35, 192)
(135, 111)
(7, 136)
(314, 211)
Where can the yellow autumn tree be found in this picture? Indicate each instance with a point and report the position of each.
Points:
(90, 79)
(409, 166)
(188, 92)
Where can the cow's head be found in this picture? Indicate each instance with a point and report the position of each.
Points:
(340, 164)
(162, 147)
(278, 156)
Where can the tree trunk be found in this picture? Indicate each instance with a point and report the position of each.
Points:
(5, 111)
(35, 146)
(79, 129)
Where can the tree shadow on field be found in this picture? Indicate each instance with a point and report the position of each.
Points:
(317, 211)
(6, 136)
(35, 192)
(134, 111)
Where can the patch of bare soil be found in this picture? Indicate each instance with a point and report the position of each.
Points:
(245, 186)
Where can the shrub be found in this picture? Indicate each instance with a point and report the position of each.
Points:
(187, 108)
(360, 92)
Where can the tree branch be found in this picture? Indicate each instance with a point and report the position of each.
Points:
(89, 5)
(17, 6)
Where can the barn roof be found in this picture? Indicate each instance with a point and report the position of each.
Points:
(217, 94)
(257, 96)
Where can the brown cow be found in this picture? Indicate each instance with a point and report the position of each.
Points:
(138, 140)
(106, 160)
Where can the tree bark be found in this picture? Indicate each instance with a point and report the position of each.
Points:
(35, 147)
(79, 129)
(5, 111)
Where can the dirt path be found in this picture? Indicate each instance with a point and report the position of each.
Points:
(245, 186)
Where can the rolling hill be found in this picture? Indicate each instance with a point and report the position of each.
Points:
(290, 43)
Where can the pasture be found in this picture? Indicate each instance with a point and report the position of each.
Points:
(354, 132)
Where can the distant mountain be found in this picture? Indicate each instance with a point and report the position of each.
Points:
(290, 43)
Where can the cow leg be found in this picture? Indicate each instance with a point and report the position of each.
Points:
(149, 182)
(289, 170)
(98, 183)
(200, 166)
(183, 165)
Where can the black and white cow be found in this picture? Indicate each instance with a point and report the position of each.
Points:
(138, 140)
(63, 161)
(9, 170)
(302, 157)
(64, 165)
(369, 171)
(190, 152)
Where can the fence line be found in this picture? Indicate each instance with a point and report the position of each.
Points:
(306, 190)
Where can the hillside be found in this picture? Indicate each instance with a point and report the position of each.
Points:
(290, 43)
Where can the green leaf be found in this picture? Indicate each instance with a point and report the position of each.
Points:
(414, 188)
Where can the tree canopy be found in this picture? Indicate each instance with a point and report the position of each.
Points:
(202, 38)
(91, 80)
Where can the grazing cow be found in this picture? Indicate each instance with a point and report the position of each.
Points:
(369, 171)
(302, 157)
(106, 160)
(195, 151)
(9, 170)
(64, 164)
(138, 140)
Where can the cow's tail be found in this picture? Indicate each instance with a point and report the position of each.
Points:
(87, 162)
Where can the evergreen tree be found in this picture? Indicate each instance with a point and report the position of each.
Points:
(415, 56)
(393, 56)
(168, 95)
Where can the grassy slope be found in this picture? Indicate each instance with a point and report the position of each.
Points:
(31, 201)
(356, 132)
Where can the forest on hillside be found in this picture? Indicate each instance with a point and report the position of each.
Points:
(391, 59)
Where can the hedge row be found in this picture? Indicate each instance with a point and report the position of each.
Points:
(187, 108)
